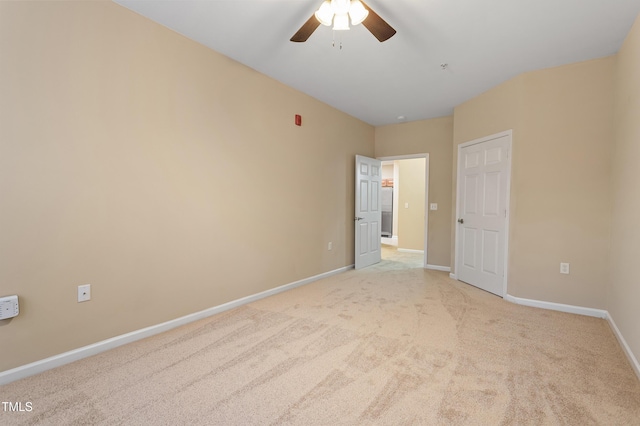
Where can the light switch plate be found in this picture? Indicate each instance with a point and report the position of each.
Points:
(433, 206)
(9, 307)
(564, 268)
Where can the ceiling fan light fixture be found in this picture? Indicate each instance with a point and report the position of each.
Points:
(325, 14)
(357, 12)
(341, 22)
(342, 13)
(340, 7)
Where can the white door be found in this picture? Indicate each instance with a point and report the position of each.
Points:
(483, 181)
(368, 211)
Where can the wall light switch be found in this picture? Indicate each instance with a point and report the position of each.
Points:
(84, 293)
(406, 205)
(564, 268)
(433, 206)
(9, 307)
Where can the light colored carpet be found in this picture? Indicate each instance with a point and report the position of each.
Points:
(390, 344)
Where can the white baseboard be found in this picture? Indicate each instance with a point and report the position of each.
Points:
(439, 268)
(393, 241)
(591, 312)
(410, 251)
(453, 276)
(625, 347)
(36, 367)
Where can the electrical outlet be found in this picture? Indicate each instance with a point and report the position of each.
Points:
(330, 245)
(434, 206)
(84, 292)
(564, 268)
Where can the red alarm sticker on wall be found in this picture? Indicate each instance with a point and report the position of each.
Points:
(298, 120)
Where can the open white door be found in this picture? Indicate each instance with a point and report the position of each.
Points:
(368, 211)
(483, 194)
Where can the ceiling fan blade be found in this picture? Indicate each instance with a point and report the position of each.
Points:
(306, 30)
(377, 26)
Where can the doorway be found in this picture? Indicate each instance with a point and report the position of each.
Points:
(405, 216)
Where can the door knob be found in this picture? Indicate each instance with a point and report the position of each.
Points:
(461, 220)
(359, 218)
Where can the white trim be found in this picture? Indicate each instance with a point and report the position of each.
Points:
(571, 309)
(393, 241)
(410, 250)
(426, 209)
(396, 200)
(426, 194)
(439, 268)
(402, 157)
(625, 347)
(453, 276)
(36, 367)
(508, 133)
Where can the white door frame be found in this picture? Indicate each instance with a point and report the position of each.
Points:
(426, 193)
(509, 134)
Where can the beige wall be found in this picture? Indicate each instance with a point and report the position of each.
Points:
(411, 190)
(433, 137)
(149, 166)
(624, 290)
(562, 131)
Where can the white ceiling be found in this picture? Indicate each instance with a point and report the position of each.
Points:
(484, 42)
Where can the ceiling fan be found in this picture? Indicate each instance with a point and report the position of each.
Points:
(339, 12)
